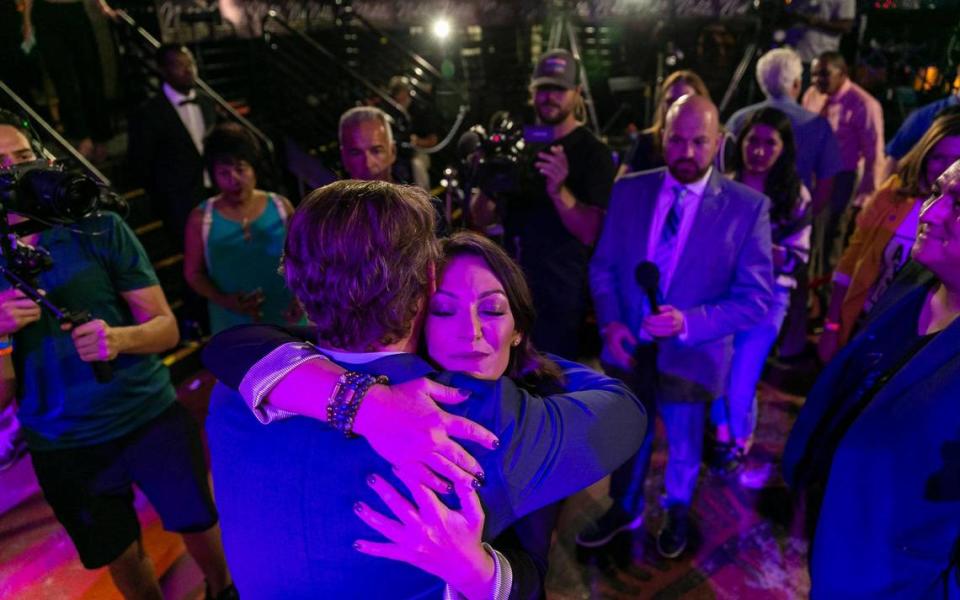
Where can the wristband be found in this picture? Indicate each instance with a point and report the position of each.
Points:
(346, 398)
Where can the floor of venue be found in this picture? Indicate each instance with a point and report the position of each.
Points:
(745, 548)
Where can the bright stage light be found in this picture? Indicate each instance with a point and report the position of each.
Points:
(441, 28)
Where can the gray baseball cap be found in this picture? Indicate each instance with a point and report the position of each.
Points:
(556, 67)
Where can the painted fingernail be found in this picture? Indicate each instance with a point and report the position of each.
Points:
(449, 488)
(357, 546)
(357, 507)
(371, 480)
(476, 483)
(495, 444)
(481, 477)
(464, 393)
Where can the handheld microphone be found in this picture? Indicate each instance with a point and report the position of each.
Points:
(468, 143)
(648, 277)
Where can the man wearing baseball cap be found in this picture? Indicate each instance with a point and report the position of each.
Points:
(552, 222)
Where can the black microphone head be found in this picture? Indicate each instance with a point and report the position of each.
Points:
(648, 275)
(468, 144)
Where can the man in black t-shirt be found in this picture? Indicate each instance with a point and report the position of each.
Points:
(554, 220)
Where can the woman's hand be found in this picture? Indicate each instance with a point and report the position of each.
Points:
(828, 345)
(430, 536)
(293, 313)
(244, 303)
(426, 451)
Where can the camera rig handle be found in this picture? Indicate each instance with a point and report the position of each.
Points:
(102, 370)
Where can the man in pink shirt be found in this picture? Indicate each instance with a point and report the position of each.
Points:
(857, 120)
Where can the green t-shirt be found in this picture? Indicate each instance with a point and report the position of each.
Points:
(61, 403)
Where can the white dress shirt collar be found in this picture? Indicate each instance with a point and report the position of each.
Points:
(695, 188)
(176, 97)
(355, 358)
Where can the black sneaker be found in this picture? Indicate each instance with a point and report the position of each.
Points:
(726, 458)
(600, 532)
(672, 538)
(228, 593)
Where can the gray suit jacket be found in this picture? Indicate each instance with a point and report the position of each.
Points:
(723, 280)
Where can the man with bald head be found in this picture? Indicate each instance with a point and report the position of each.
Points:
(709, 238)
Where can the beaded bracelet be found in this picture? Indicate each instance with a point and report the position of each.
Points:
(346, 398)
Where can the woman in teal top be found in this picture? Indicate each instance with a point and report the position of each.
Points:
(234, 240)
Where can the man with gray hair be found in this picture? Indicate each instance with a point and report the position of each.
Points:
(818, 156)
(368, 151)
(367, 148)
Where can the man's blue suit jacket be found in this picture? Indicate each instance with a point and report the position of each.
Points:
(285, 491)
(723, 280)
(889, 524)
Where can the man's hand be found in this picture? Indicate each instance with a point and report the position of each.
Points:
(616, 335)
(96, 341)
(553, 165)
(404, 425)
(667, 323)
(779, 256)
(16, 311)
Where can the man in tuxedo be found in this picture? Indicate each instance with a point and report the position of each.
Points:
(710, 239)
(166, 141)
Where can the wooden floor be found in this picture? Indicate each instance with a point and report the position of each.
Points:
(746, 547)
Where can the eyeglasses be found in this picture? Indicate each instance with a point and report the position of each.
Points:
(937, 196)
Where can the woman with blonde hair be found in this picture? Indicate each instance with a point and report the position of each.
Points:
(886, 230)
(646, 151)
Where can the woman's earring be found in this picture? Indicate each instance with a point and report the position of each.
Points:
(516, 342)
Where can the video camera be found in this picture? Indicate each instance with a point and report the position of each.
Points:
(492, 161)
(46, 195)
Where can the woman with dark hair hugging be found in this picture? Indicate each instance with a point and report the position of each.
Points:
(766, 161)
(478, 323)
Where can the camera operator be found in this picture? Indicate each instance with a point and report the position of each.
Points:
(90, 441)
(553, 220)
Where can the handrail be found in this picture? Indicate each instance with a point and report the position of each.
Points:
(413, 56)
(200, 83)
(272, 15)
(36, 119)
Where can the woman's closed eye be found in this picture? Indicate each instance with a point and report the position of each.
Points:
(494, 305)
(442, 310)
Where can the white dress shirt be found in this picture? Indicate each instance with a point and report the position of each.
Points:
(189, 114)
(690, 206)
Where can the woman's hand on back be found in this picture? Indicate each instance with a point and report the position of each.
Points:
(404, 424)
(429, 536)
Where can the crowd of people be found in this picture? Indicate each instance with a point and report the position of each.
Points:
(398, 413)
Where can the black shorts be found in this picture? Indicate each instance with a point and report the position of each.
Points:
(90, 488)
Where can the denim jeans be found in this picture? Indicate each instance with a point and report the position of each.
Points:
(738, 409)
(684, 423)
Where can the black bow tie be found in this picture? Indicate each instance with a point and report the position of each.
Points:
(193, 100)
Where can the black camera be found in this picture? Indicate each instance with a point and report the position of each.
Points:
(47, 193)
(493, 160)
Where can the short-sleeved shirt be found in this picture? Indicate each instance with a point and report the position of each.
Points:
(61, 403)
(810, 42)
(916, 125)
(817, 151)
(555, 261)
